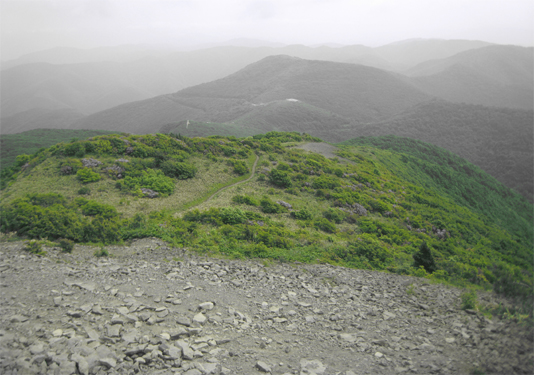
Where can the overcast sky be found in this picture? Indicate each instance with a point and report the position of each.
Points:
(30, 25)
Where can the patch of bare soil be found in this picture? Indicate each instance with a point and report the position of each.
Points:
(322, 148)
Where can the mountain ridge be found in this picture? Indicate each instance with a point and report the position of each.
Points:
(492, 76)
(359, 89)
(155, 74)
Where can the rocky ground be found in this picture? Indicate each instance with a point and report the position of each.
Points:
(153, 309)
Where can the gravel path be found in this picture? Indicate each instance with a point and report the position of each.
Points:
(152, 309)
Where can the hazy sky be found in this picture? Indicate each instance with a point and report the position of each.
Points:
(29, 25)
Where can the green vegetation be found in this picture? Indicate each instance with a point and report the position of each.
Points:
(467, 185)
(498, 140)
(469, 299)
(66, 245)
(29, 142)
(423, 258)
(86, 175)
(35, 247)
(85, 190)
(175, 169)
(363, 210)
(102, 252)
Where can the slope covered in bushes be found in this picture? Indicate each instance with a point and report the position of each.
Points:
(435, 168)
(357, 211)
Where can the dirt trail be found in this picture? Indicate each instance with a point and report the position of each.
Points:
(236, 183)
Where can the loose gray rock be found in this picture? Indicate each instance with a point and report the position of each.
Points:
(91, 163)
(312, 367)
(285, 204)
(149, 193)
(263, 367)
(282, 312)
(107, 362)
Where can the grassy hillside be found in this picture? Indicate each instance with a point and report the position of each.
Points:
(434, 168)
(498, 140)
(298, 206)
(12, 145)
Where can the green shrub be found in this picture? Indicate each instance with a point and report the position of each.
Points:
(326, 182)
(418, 272)
(270, 207)
(424, 258)
(74, 149)
(303, 214)
(325, 225)
(66, 245)
(102, 252)
(61, 220)
(293, 191)
(21, 160)
(379, 205)
(46, 199)
(93, 208)
(280, 178)
(338, 172)
(245, 199)
(240, 167)
(84, 191)
(440, 275)
(232, 216)
(34, 247)
(149, 179)
(469, 299)
(283, 167)
(175, 169)
(335, 215)
(86, 175)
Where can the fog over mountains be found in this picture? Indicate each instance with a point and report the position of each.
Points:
(88, 81)
(473, 98)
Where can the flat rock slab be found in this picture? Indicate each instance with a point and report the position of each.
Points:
(89, 286)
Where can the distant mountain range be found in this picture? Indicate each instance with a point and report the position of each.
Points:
(88, 81)
(339, 93)
(71, 55)
(493, 75)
